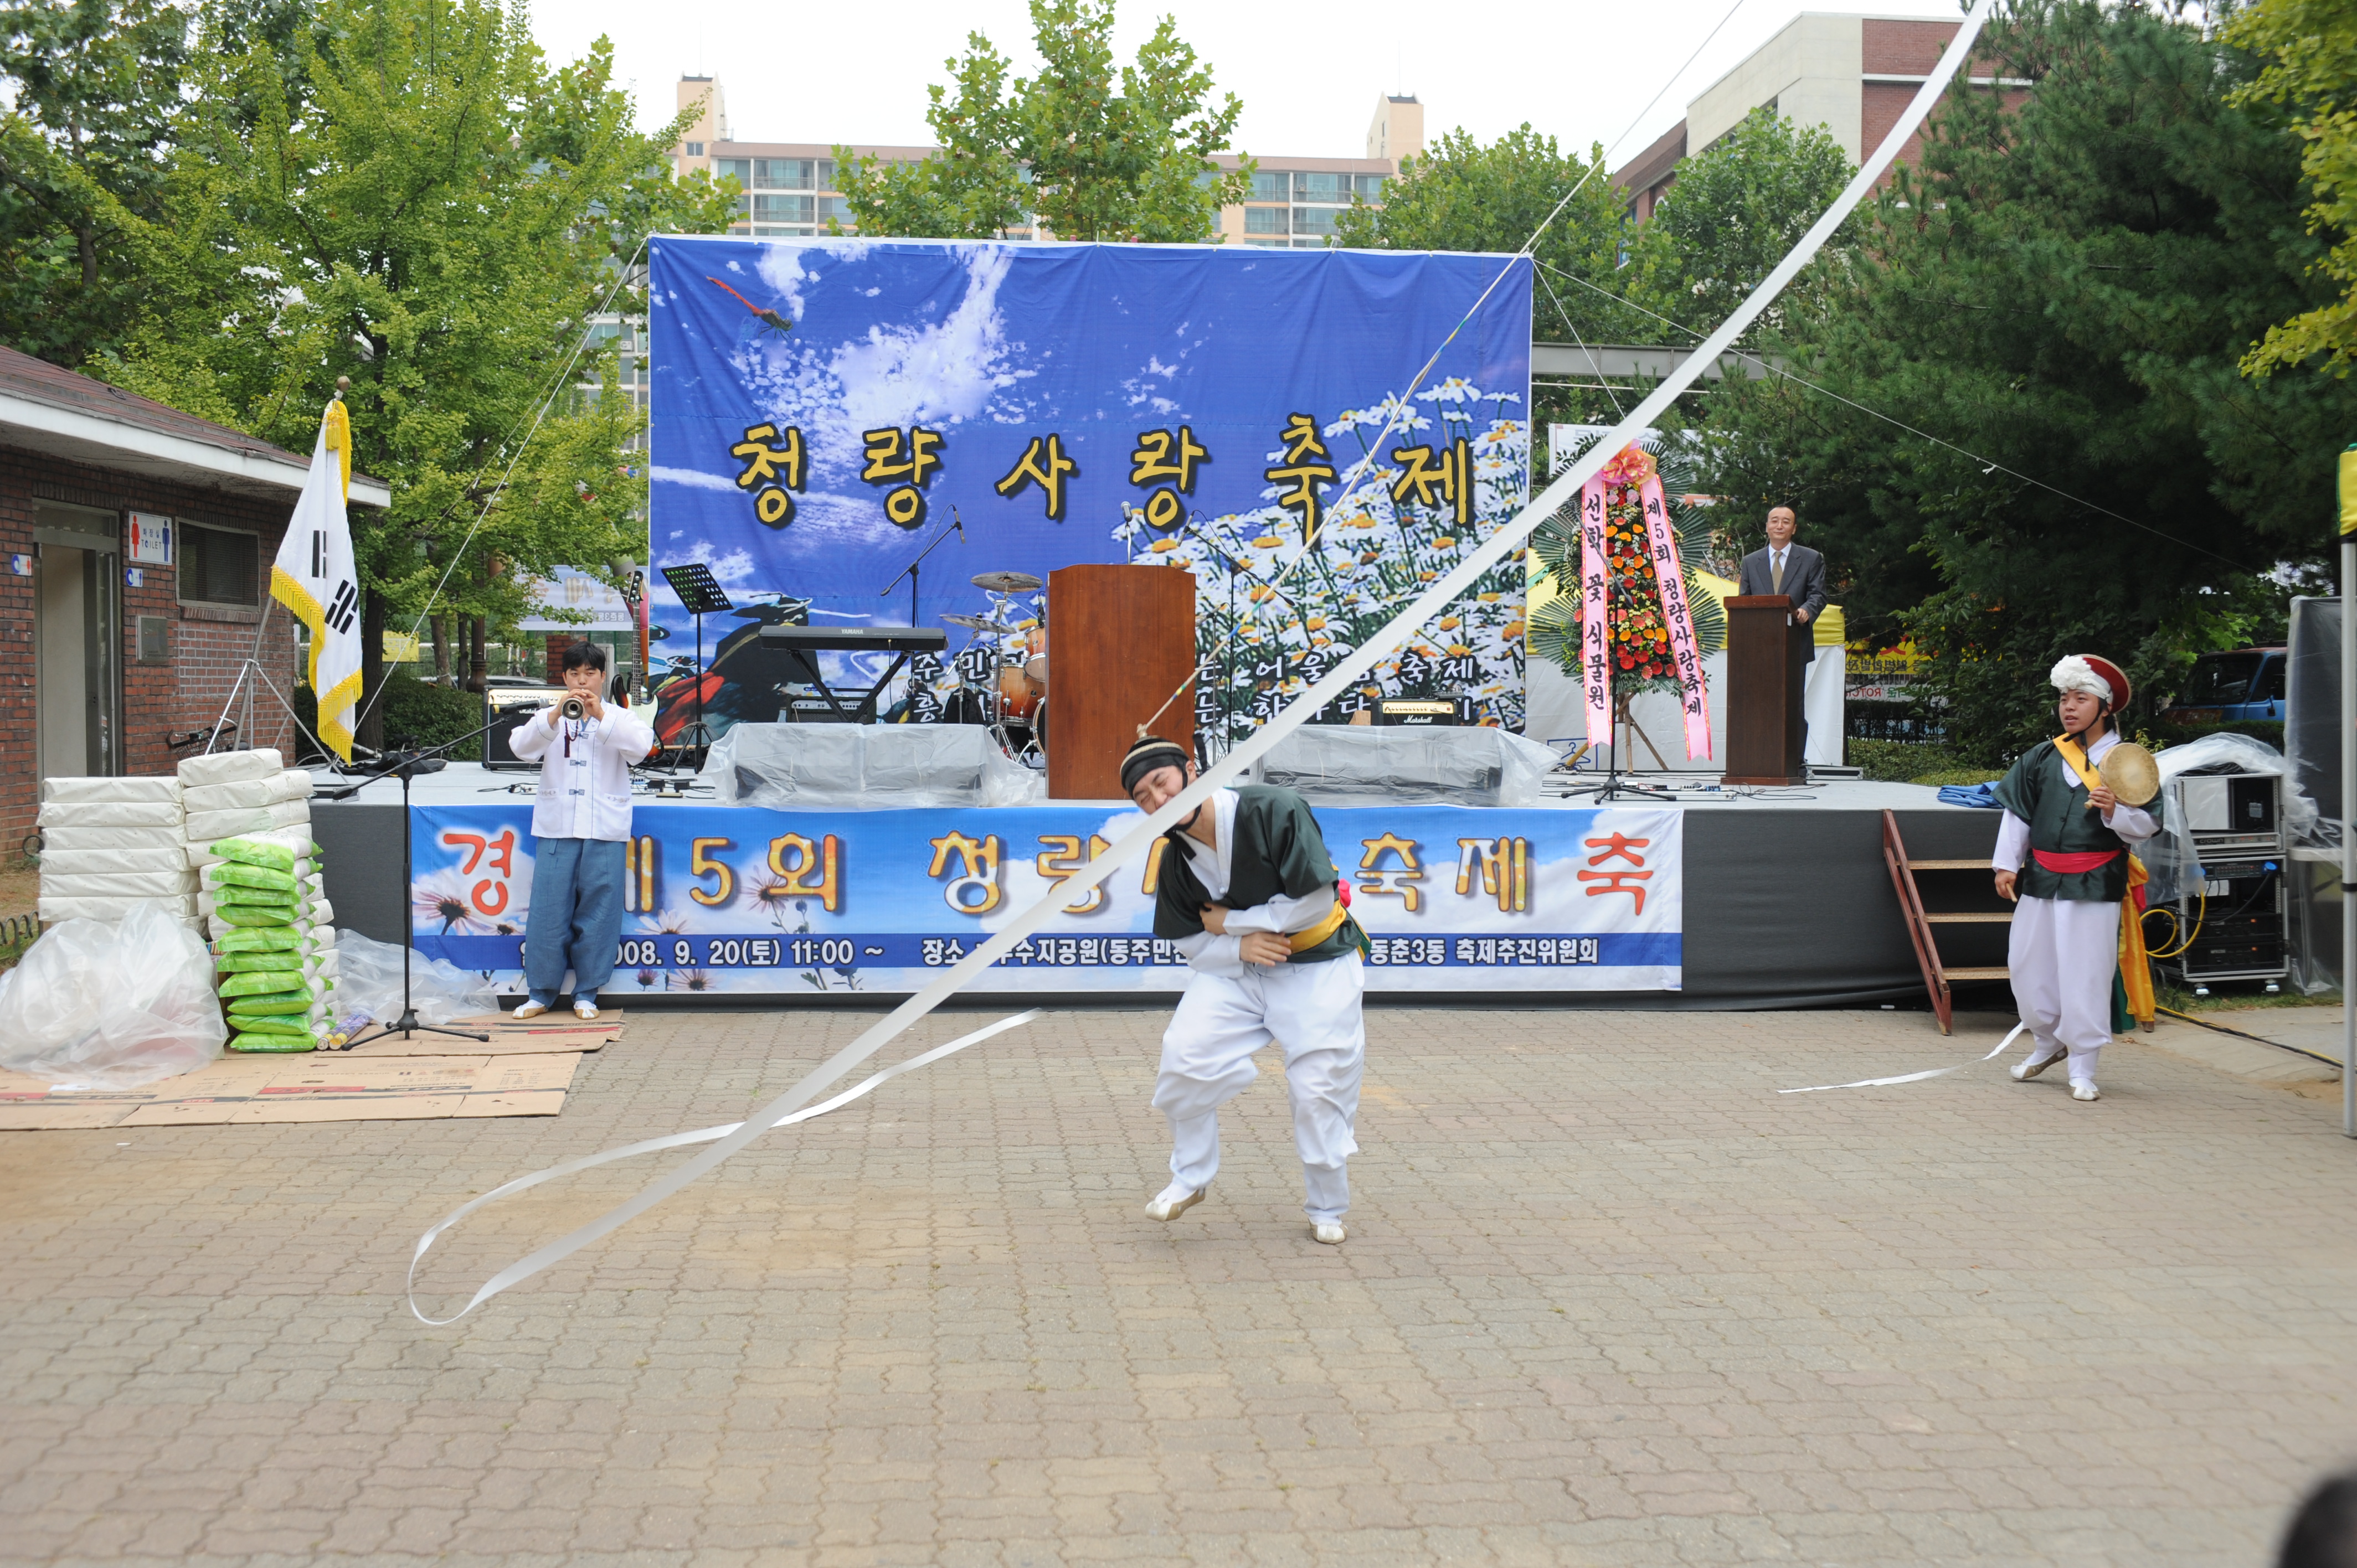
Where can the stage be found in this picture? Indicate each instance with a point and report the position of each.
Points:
(1754, 898)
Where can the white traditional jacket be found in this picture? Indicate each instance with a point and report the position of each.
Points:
(585, 772)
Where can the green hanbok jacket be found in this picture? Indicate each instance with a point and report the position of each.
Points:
(1278, 851)
(2060, 823)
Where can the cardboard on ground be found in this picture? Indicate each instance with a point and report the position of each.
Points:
(316, 1087)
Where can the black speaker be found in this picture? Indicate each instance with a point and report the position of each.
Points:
(505, 708)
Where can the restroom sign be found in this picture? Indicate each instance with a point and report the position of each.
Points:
(151, 538)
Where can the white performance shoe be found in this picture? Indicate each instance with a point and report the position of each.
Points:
(1330, 1231)
(586, 1011)
(2024, 1071)
(2085, 1091)
(1173, 1201)
(529, 1010)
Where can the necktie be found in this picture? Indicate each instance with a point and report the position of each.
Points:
(1776, 573)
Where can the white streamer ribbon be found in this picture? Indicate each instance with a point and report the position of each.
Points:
(1346, 673)
(1907, 1076)
(680, 1141)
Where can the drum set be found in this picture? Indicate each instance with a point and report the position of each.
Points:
(1011, 698)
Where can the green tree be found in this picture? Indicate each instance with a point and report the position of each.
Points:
(1735, 208)
(419, 202)
(84, 156)
(1098, 153)
(2064, 289)
(2309, 47)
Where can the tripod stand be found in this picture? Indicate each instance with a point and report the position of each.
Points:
(405, 766)
(1613, 786)
(699, 594)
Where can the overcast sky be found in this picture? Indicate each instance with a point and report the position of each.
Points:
(1308, 80)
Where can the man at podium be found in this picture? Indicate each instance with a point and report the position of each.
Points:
(1792, 570)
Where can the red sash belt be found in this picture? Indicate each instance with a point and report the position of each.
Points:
(2067, 865)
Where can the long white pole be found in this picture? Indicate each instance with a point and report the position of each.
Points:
(2348, 487)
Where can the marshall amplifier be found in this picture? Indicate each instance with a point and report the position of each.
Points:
(1424, 711)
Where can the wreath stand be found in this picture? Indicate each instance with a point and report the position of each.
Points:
(1614, 786)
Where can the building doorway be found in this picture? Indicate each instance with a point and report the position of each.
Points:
(77, 630)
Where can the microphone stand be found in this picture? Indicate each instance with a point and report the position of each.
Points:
(911, 572)
(405, 766)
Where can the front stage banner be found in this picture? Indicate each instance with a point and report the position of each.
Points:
(740, 900)
(822, 410)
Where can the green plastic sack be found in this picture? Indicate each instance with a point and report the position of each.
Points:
(274, 914)
(261, 982)
(271, 1006)
(287, 1023)
(267, 938)
(236, 872)
(285, 963)
(266, 902)
(283, 1044)
(251, 852)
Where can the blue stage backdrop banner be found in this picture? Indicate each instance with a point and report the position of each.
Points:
(823, 410)
(791, 903)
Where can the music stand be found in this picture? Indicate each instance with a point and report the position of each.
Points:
(700, 596)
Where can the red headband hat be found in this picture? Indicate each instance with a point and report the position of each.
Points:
(2098, 676)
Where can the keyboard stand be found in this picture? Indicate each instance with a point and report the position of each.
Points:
(863, 707)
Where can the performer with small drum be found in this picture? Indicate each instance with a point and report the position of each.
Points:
(2063, 854)
(1247, 891)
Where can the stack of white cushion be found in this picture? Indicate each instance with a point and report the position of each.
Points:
(109, 844)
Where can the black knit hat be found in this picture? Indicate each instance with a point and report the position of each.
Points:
(1149, 753)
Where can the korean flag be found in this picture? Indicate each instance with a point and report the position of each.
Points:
(314, 577)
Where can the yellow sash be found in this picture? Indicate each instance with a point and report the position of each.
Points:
(2135, 968)
(2078, 761)
(1302, 942)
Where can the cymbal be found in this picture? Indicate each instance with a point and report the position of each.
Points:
(1009, 581)
(978, 623)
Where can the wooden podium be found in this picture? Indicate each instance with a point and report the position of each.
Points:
(1120, 640)
(1767, 663)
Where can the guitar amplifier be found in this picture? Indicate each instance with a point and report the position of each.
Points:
(506, 709)
(1424, 711)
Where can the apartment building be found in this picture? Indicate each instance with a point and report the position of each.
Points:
(1854, 75)
(789, 187)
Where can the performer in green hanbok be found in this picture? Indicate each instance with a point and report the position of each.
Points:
(1246, 890)
(2062, 852)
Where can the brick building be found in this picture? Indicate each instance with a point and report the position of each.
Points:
(136, 542)
(1853, 75)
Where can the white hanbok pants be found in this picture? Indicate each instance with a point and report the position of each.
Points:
(1312, 1009)
(2063, 954)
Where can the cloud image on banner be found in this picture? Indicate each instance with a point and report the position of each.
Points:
(820, 408)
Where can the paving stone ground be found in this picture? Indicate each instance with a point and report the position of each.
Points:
(1608, 1299)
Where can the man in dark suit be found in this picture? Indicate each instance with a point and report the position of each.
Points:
(1793, 570)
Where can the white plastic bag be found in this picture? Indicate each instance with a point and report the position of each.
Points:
(113, 1006)
(368, 980)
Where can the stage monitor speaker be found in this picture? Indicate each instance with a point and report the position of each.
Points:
(1121, 639)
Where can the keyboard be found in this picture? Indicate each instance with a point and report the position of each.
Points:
(857, 638)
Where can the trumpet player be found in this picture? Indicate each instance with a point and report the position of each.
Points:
(2062, 857)
(580, 827)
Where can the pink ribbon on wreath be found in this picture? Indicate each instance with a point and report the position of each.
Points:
(1634, 465)
(1595, 646)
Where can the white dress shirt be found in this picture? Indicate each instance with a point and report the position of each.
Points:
(2131, 822)
(1214, 867)
(585, 772)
